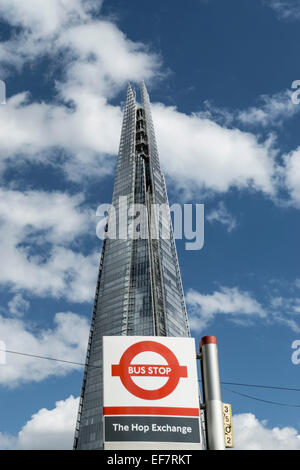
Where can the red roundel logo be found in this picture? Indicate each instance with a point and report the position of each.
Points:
(126, 370)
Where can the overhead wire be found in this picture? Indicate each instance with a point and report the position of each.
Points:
(47, 358)
(292, 405)
(271, 387)
(291, 389)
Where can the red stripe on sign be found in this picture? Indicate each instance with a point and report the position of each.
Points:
(147, 410)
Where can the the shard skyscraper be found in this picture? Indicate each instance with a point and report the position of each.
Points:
(139, 289)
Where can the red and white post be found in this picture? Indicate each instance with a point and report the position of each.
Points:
(212, 393)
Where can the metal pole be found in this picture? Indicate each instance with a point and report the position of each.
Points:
(212, 393)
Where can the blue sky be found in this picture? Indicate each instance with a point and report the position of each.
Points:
(219, 76)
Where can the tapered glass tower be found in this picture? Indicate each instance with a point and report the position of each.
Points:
(139, 289)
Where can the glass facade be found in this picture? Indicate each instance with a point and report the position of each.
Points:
(139, 289)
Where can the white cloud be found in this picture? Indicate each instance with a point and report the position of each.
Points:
(7, 442)
(231, 302)
(241, 308)
(37, 27)
(290, 322)
(54, 14)
(67, 340)
(18, 305)
(271, 110)
(98, 62)
(199, 153)
(291, 176)
(105, 58)
(87, 134)
(95, 50)
(223, 216)
(252, 434)
(37, 232)
(47, 429)
(208, 152)
(288, 304)
(286, 310)
(285, 9)
(60, 214)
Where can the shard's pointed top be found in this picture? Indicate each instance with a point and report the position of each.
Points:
(144, 94)
(143, 88)
(130, 95)
(130, 90)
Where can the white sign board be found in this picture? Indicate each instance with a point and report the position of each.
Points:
(151, 393)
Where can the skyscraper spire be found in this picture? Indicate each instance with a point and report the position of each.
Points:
(139, 289)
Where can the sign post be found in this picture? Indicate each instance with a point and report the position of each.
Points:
(151, 396)
(212, 393)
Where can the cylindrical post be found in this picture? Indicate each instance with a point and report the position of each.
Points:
(212, 393)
